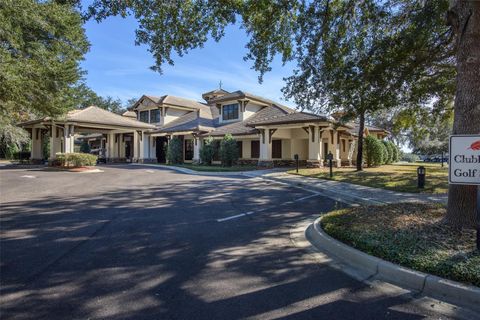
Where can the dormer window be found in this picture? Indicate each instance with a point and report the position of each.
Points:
(143, 116)
(230, 112)
(155, 116)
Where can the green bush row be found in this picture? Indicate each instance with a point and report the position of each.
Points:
(175, 151)
(75, 159)
(378, 152)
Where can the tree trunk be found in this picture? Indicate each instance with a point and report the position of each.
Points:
(464, 17)
(361, 129)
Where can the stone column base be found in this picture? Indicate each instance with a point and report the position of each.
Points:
(314, 163)
(147, 160)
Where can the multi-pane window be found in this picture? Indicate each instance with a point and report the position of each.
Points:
(255, 149)
(230, 111)
(277, 149)
(155, 116)
(240, 149)
(143, 116)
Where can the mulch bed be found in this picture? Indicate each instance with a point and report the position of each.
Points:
(410, 234)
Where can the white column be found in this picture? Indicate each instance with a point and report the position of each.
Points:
(36, 153)
(143, 148)
(68, 138)
(313, 144)
(320, 147)
(265, 145)
(153, 148)
(336, 149)
(136, 145)
(197, 142)
(55, 142)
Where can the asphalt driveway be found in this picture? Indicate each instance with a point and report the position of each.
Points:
(137, 242)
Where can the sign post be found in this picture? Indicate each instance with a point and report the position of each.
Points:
(464, 166)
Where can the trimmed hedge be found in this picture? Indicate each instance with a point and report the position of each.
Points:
(207, 151)
(374, 151)
(228, 151)
(75, 159)
(389, 156)
(175, 151)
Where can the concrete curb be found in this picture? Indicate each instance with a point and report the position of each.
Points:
(420, 282)
(250, 173)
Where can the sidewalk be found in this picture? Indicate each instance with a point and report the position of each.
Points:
(352, 193)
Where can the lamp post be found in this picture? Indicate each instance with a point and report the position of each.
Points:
(421, 177)
(330, 163)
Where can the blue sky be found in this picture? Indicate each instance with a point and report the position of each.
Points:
(118, 68)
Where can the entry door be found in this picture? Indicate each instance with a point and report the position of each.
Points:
(325, 150)
(161, 149)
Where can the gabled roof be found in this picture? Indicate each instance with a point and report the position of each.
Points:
(356, 127)
(244, 127)
(173, 101)
(96, 116)
(246, 95)
(130, 114)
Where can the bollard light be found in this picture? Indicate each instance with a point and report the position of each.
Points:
(421, 171)
(295, 156)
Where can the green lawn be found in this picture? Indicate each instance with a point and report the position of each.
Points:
(413, 235)
(215, 168)
(396, 177)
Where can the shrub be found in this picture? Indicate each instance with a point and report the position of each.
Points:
(410, 157)
(75, 159)
(10, 150)
(384, 152)
(228, 151)
(85, 147)
(207, 151)
(395, 152)
(175, 151)
(373, 151)
(389, 155)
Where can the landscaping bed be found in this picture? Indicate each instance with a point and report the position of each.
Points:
(410, 234)
(397, 177)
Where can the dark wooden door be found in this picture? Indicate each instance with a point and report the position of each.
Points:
(161, 148)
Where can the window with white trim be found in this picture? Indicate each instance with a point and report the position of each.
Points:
(230, 112)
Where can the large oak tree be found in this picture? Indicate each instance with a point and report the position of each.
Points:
(361, 55)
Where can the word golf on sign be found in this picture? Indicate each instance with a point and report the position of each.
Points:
(464, 165)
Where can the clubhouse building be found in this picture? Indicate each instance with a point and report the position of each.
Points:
(268, 133)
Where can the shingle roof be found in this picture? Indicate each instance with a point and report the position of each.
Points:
(295, 117)
(96, 116)
(243, 127)
(204, 119)
(174, 101)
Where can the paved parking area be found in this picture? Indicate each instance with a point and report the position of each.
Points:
(135, 242)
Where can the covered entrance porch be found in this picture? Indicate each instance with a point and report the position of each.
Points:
(121, 139)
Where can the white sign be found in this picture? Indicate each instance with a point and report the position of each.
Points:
(464, 164)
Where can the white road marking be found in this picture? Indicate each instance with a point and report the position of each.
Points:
(304, 198)
(263, 209)
(150, 171)
(231, 217)
(27, 176)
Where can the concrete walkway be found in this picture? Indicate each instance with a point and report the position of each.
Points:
(352, 193)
